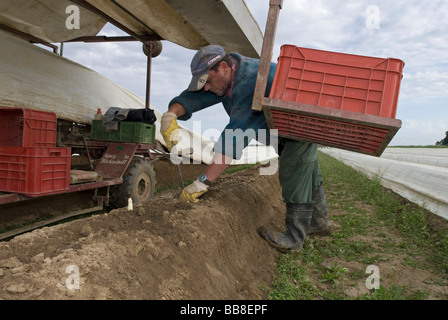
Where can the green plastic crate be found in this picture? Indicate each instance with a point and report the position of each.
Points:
(138, 132)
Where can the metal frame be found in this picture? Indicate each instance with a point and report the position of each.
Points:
(29, 37)
(109, 19)
(266, 53)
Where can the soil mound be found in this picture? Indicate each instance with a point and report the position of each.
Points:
(162, 249)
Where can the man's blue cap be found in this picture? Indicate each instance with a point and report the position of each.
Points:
(203, 60)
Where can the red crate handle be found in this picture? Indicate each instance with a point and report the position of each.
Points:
(55, 152)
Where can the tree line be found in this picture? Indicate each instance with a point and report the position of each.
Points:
(444, 141)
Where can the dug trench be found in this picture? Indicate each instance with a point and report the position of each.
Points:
(162, 249)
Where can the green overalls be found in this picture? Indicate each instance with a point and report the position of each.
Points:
(299, 172)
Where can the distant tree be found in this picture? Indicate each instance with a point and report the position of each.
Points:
(444, 141)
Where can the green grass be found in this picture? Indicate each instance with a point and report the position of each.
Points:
(374, 227)
(237, 168)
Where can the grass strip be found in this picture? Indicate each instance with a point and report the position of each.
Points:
(372, 226)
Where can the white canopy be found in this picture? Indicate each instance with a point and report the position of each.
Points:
(191, 24)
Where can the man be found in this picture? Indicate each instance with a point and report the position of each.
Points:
(230, 79)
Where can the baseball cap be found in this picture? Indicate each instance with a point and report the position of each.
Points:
(203, 60)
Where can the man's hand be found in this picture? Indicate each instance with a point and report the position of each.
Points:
(169, 129)
(192, 192)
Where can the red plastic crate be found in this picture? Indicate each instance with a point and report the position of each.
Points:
(353, 136)
(335, 99)
(27, 128)
(34, 171)
(336, 80)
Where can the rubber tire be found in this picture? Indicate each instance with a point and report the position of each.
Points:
(139, 183)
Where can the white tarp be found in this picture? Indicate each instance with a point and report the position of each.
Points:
(191, 24)
(46, 19)
(32, 77)
(418, 174)
(257, 153)
(437, 157)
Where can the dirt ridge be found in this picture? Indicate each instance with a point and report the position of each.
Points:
(163, 249)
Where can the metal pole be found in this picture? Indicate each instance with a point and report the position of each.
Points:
(29, 37)
(148, 75)
(266, 53)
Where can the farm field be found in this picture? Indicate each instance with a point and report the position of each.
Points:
(169, 250)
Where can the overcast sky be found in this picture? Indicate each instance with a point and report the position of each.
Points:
(413, 31)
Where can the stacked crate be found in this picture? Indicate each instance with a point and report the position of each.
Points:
(30, 162)
(134, 132)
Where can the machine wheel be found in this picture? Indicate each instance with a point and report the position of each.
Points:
(139, 183)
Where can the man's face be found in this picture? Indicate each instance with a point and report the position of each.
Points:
(219, 81)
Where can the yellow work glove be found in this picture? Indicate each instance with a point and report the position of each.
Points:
(192, 192)
(169, 129)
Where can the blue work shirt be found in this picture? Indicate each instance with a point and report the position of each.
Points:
(245, 124)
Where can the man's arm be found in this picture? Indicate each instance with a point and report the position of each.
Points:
(220, 162)
(177, 109)
(192, 192)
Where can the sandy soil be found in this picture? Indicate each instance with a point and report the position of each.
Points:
(164, 249)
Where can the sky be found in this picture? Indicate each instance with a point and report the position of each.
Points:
(413, 31)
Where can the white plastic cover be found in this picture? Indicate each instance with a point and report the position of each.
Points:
(191, 24)
(418, 174)
(46, 20)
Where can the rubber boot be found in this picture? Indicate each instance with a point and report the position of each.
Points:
(320, 223)
(298, 220)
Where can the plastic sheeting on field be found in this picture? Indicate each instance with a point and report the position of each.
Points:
(418, 174)
(437, 157)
